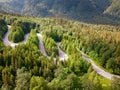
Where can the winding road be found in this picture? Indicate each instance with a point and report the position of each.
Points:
(62, 55)
(8, 43)
(41, 45)
(98, 69)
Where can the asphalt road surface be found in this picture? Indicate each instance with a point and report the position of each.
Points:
(98, 69)
(62, 55)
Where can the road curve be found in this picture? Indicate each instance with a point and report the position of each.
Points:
(62, 55)
(98, 69)
(8, 43)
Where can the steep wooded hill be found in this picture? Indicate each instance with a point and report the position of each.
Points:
(98, 11)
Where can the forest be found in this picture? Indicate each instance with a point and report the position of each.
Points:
(24, 67)
(92, 11)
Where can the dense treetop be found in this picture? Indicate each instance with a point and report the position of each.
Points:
(96, 11)
(26, 68)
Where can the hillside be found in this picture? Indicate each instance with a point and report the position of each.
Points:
(96, 11)
(24, 66)
(114, 9)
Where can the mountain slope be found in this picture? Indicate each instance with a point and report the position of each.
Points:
(54, 7)
(85, 10)
(114, 8)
